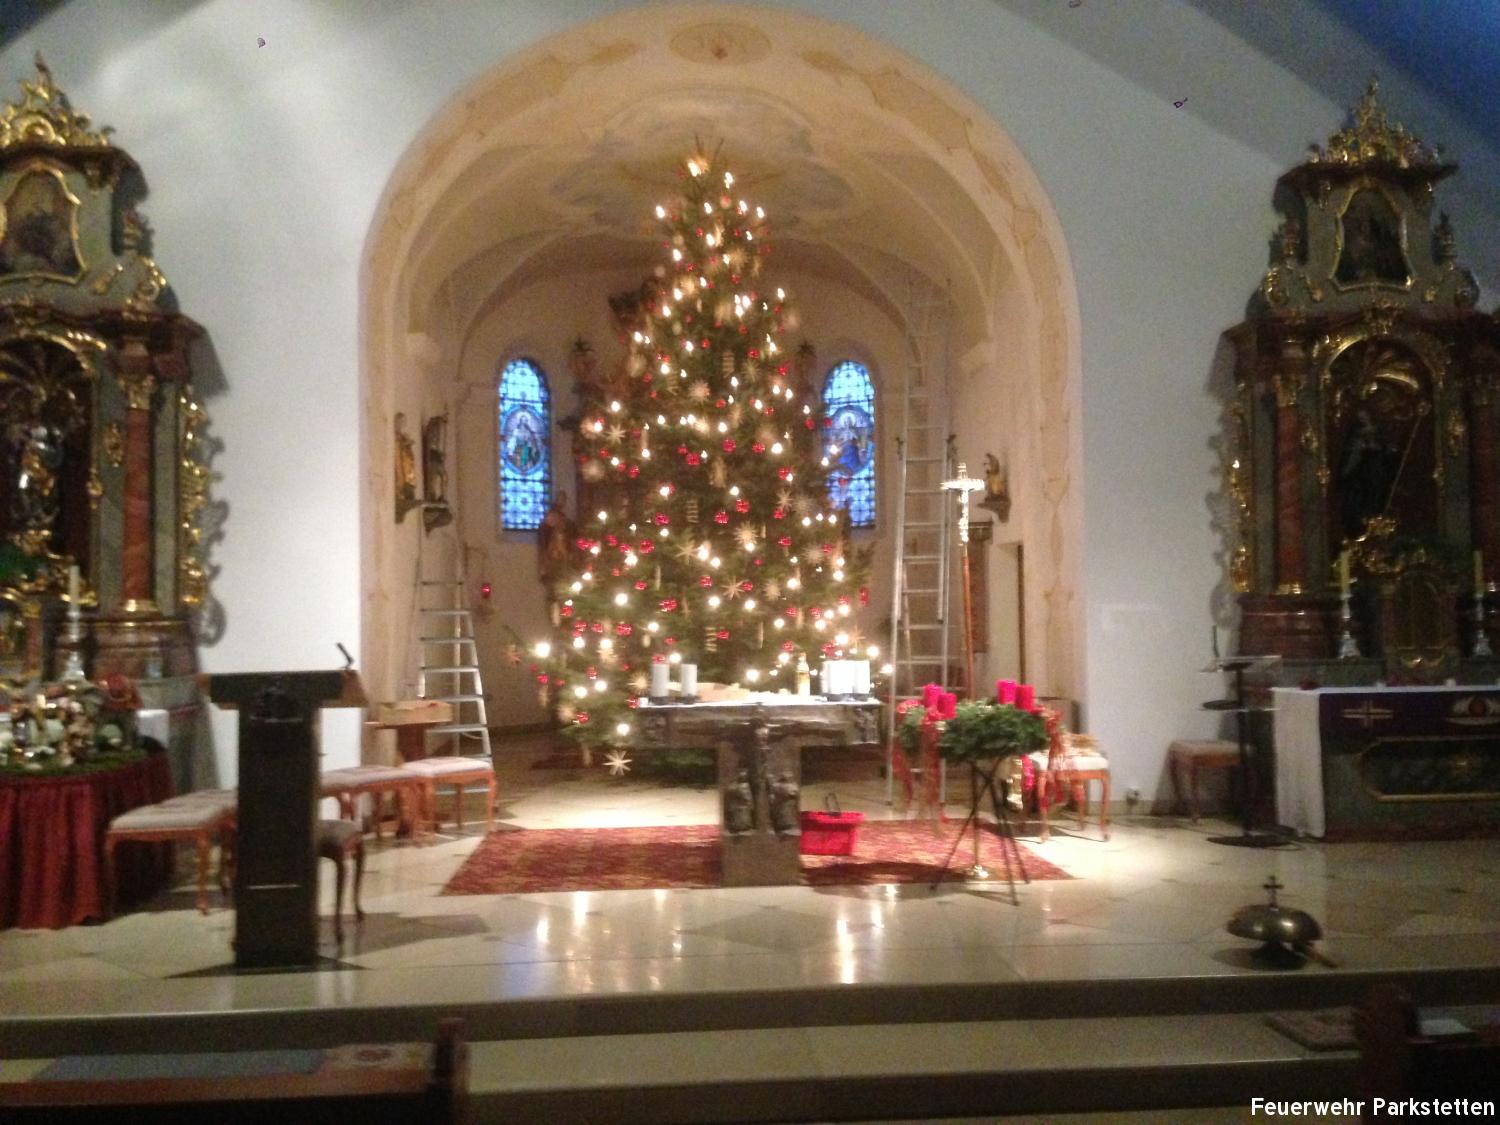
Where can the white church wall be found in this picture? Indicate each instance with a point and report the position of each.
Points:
(265, 166)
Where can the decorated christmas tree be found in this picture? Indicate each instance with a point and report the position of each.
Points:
(714, 542)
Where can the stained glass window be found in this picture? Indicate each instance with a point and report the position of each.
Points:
(849, 404)
(525, 445)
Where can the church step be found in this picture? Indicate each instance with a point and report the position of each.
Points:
(458, 728)
(447, 640)
(452, 669)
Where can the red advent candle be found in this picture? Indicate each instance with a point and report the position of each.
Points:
(930, 694)
(1005, 691)
(948, 705)
(1025, 697)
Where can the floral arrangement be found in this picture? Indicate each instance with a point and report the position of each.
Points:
(983, 729)
(60, 726)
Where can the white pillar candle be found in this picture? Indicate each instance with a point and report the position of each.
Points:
(659, 680)
(861, 677)
(73, 584)
(689, 680)
(835, 678)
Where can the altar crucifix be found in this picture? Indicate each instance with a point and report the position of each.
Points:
(964, 485)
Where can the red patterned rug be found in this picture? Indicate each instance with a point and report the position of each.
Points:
(615, 859)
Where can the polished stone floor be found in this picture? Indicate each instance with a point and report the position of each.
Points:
(1152, 901)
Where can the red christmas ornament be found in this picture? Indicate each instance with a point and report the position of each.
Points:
(864, 595)
(723, 634)
(581, 718)
(757, 447)
(785, 540)
(640, 584)
(721, 517)
(668, 604)
(694, 459)
(705, 581)
(565, 611)
(624, 629)
(729, 445)
(778, 514)
(742, 505)
(662, 518)
(784, 474)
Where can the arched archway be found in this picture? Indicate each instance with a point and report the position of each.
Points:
(888, 185)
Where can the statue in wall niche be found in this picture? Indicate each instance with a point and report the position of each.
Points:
(435, 509)
(34, 502)
(739, 805)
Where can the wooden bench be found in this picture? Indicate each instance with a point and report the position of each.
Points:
(369, 1084)
(204, 818)
(457, 772)
(348, 784)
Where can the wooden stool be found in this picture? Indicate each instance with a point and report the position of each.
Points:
(456, 772)
(202, 817)
(1192, 756)
(338, 840)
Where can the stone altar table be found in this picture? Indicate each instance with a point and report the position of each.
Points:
(759, 743)
(1372, 762)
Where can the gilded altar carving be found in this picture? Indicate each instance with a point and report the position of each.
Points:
(1362, 367)
(86, 346)
(43, 117)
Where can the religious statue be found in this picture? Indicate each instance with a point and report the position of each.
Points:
(739, 805)
(784, 800)
(406, 470)
(996, 488)
(34, 502)
(554, 541)
(1367, 474)
(435, 511)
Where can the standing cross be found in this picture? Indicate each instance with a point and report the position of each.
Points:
(963, 484)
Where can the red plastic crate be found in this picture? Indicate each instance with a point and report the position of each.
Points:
(830, 833)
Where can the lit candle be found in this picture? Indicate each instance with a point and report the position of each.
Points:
(689, 680)
(1344, 573)
(659, 680)
(1479, 573)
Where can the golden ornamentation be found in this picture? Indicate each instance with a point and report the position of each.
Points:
(1241, 496)
(95, 488)
(1288, 385)
(1455, 432)
(138, 389)
(1311, 443)
(113, 442)
(43, 117)
(193, 480)
(105, 280)
(148, 289)
(1371, 138)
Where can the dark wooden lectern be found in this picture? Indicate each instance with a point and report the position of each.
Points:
(276, 880)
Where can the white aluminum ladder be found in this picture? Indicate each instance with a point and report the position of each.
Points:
(920, 634)
(448, 658)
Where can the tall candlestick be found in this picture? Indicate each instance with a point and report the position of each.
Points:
(1344, 572)
(73, 580)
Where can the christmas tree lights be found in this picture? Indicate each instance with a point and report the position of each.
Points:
(711, 539)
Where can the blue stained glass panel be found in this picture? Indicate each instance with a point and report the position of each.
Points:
(849, 404)
(525, 446)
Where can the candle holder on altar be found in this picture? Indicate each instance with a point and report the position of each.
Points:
(1482, 649)
(1348, 646)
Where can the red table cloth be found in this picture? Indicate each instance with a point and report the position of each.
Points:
(52, 843)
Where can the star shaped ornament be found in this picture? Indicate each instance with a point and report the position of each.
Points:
(617, 763)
